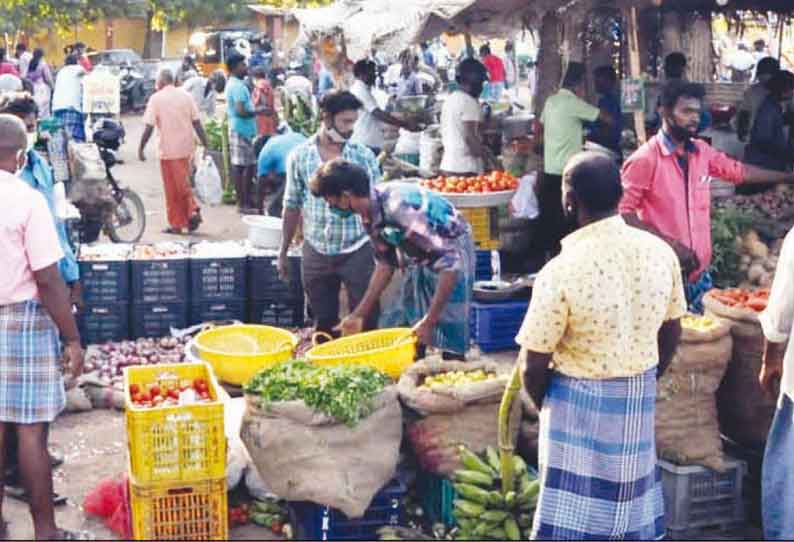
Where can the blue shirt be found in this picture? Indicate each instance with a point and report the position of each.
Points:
(237, 92)
(273, 158)
(38, 175)
(324, 82)
(608, 136)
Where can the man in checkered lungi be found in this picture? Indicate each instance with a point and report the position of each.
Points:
(603, 322)
(67, 98)
(35, 314)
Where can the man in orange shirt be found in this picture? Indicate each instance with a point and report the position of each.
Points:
(175, 114)
(262, 96)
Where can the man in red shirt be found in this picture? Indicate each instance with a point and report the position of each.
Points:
(82, 58)
(667, 188)
(496, 74)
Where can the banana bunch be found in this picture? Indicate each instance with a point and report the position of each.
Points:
(457, 378)
(482, 510)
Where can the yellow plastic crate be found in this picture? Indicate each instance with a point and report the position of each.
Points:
(197, 511)
(175, 444)
(390, 351)
(484, 226)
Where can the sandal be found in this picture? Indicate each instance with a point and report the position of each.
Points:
(65, 534)
(194, 222)
(172, 231)
(18, 493)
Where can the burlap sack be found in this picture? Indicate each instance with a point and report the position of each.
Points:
(467, 415)
(687, 428)
(303, 455)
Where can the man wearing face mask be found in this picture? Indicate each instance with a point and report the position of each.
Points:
(667, 184)
(336, 248)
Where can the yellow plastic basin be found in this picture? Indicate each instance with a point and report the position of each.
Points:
(238, 352)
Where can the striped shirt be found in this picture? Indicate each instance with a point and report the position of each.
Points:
(326, 232)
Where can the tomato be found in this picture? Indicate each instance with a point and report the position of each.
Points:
(145, 397)
(204, 395)
(200, 385)
(134, 389)
(276, 527)
(154, 390)
(158, 400)
(173, 394)
(136, 397)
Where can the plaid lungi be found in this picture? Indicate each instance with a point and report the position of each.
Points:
(241, 150)
(31, 383)
(73, 122)
(597, 459)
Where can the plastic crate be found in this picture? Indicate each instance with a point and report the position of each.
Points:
(105, 282)
(265, 284)
(484, 223)
(317, 522)
(697, 498)
(276, 313)
(196, 511)
(103, 322)
(160, 281)
(156, 319)
(482, 265)
(494, 326)
(217, 310)
(224, 279)
(179, 444)
(438, 498)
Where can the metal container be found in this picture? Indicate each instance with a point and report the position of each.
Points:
(516, 126)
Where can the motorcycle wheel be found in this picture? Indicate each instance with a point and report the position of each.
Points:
(127, 221)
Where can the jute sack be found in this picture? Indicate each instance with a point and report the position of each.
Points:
(687, 427)
(454, 416)
(745, 412)
(303, 455)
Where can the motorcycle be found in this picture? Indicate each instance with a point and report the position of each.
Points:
(119, 211)
(133, 89)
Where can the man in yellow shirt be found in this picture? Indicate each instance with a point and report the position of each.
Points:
(602, 324)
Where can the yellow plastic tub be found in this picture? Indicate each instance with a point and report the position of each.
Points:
(240, 351)
(390, 351)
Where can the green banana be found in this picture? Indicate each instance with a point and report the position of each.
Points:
(493, 458)
(528, 494)
(510, 499)
(466, 524)
(472, 493)
(495, 499)
(511, 529)
(474, 477)
(494, 516)
(468, 509)
(261, 519)
(525, 520)
(519, 466)
(472, 462)
(481, 529)
(497, 534)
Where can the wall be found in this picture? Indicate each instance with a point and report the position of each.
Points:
(126, 34)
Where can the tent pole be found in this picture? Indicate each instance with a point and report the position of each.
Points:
(630, 16)
(469, 45)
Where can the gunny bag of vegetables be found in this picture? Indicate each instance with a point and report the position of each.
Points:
(329, 435)
(457, 403)
(745, 412)
(687, 428)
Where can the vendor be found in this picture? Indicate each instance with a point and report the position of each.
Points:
(461, 123)
(420, 232)
(667, 184)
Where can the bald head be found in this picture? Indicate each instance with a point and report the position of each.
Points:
(593, 180)
(13, 136)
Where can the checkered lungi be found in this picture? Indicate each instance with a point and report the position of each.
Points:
(597, 461)
(241, 150)
(73, 122)
(31, 382)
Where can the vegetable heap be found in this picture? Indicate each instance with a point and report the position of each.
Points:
(496, 181)
(727, 225)
(344, 392)
(456, 378)
(698, 323)
(742, 299)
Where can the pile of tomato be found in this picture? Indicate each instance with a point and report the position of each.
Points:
(496, 181)
(155, 395)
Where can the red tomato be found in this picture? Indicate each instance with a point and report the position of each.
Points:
(136, 397)
(154, 390)
(204, 395)
(134, 389)
(145, 397)
(200, 384)
(276, 527)
(173, 394)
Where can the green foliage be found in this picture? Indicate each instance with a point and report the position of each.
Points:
(727, 225)
(61, 15)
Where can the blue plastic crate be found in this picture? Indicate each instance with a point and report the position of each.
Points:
(103, 322)
(160, 281)
(317, 522)
(482, 266)
(274, 312)
(494, 326)
(154, 320)
(265, 284)
(105, 281)
(438, 498)
(218, 279)
(208, 311)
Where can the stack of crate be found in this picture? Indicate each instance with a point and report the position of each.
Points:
(271, 301)
(161, 292)
(106, 293)
(177, 454)
(484, 223)
(218, 288)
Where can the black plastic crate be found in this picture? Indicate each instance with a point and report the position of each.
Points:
(103, 322)
(276, 313)
(264, 282)
(160, 281)
(156, 319)
(224, 279)
(317, 522)
(208, 311)
(105, 281)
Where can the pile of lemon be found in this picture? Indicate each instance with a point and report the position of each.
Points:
(699, 323)
(457, 378)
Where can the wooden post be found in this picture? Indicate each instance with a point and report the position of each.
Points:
(634, 68)
(469, 45)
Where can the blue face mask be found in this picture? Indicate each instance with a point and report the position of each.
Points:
(342, 213)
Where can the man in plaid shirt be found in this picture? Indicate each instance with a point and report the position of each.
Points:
(336, 248)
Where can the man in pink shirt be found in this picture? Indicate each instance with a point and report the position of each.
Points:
(666, 184)
(496, 74)
(175, 114)
(35, 310)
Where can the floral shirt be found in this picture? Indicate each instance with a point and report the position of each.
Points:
(410, 225)
(598, 306)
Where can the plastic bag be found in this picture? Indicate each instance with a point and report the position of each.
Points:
(209, 187)
(525, 202)
(110, 500)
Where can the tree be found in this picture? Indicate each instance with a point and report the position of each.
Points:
(61, 15)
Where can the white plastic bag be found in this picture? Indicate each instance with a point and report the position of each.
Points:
(209, 187)
(525, 202)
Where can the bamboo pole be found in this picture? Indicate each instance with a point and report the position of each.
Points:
(630, 16)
